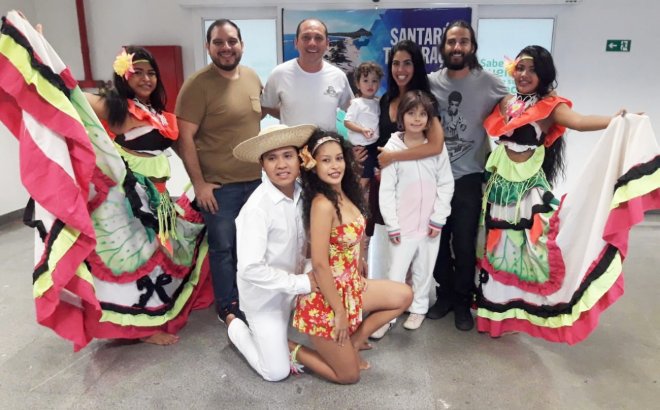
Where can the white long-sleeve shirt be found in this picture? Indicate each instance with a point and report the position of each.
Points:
(415, 195)
(270, 248)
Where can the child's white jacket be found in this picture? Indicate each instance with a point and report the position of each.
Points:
(415, 195)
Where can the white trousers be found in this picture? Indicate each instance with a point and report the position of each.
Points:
(264, 343)
(418, 255)
(379, 253)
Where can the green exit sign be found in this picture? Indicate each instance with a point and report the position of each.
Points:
(618, 45)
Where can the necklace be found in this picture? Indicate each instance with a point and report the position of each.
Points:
(517, 105)
(528, 99)
(151, 110)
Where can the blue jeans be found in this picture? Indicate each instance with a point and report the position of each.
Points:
(221, 228)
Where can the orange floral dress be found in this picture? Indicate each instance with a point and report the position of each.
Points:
(313, 314)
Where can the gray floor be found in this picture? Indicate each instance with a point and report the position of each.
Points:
(436, 367)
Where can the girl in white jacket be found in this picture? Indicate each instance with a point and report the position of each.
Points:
(415, 201)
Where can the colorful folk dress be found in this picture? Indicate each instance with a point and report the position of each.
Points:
(313, 314)
(119, 258)
(550, 266)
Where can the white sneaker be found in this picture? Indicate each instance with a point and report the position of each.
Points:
(414, 321)
(378, 334)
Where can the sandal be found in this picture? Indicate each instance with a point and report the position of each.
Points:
(296, 367)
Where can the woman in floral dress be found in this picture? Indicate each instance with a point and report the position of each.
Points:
(333, 209)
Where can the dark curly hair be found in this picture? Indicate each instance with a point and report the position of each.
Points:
(115, 98)
(350, 183)
(364, 70)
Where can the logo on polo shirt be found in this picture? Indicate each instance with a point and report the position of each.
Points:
(330, 91)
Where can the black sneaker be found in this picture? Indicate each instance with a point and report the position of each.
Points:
(463, 318)
(222, 316)
(440, 309)
(232, 309)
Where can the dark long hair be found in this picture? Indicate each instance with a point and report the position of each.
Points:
(419, 79)
(313, 186)
(116, 97)
(471, 61)
(554, 164)
(364, 70)
(544, 67)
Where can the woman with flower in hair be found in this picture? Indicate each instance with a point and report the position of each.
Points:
(148, 262)
(118, 259)
(333, 214)
(132, 112)
(550, 267)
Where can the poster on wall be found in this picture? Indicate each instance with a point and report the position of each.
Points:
(500, 38)
(369, 34)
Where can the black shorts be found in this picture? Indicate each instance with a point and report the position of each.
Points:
(371, 162)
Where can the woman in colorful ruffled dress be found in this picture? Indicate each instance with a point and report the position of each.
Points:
(333, 206)
(133, 113)
(120, 259)
(549, 266)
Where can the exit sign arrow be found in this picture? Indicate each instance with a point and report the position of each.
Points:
(618, 45)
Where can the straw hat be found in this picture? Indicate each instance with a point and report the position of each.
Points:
(273, 137)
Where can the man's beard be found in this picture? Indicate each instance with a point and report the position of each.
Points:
(227, 67)
(465, 58)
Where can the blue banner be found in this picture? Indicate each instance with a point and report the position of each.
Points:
(369, 34)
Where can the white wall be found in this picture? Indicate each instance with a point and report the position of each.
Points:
(596, 81)
(13, 195)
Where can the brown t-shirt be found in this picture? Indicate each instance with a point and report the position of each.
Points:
(228, 112)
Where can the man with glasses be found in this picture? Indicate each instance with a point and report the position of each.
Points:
(217, 109)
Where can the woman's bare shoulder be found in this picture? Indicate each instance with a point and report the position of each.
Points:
(322, 203)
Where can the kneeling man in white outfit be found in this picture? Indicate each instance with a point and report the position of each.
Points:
(271, 241)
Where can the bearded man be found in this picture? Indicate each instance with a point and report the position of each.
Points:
(462, 76)
(219, 107)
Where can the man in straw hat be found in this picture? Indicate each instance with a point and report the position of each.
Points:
(271, 250)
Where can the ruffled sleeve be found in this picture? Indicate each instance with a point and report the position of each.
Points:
(496, 125)
(165, 122)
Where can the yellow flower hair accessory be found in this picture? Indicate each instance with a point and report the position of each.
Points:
(510, 65)
(308, 161)
(123, 64)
